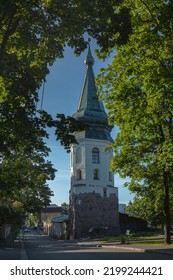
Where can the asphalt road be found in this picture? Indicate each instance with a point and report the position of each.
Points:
(40, 247)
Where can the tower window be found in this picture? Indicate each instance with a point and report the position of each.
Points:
(79, 174)
(96, 174)
(78, 155)
(95, 155)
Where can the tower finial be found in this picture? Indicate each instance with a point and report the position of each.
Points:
(89, 61)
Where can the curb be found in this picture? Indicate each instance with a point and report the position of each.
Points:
(23, 254)
(136, 249)
(123, 247)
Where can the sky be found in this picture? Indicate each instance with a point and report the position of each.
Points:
(61, 95)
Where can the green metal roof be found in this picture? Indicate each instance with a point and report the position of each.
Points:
(90, 109)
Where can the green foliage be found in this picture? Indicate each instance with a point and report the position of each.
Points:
(147, 207)
(65, 128)
(33, 219)
(32, 36)
(10, 214)
(23, 178)
(34, 33)
(65, 208)
(138, 92)
(23, 170)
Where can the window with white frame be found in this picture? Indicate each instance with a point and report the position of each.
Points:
(95, 155)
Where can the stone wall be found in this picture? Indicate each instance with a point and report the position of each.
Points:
(131, 223)
(92, 214)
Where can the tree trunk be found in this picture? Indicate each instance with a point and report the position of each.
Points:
(166, 210)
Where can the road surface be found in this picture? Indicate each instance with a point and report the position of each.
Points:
(40, 247)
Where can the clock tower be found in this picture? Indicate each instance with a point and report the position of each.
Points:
(93, 196)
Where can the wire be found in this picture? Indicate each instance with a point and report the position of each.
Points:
(42, 96)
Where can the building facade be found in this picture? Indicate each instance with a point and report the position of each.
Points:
(48, 213)
(93, 197)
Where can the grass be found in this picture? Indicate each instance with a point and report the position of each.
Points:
(150, 240)
(112, 239)
(118, 238)
(153, 244)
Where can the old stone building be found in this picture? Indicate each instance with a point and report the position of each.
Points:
(93, 197)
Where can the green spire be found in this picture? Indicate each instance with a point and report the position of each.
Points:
(90, 109)
(89, 105)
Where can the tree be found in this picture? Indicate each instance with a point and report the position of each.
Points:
(147, 207)
(30, 40)
(32, 35)
(137, 89)
(12, 215)
(65, 208)
(23, 180)
(33, 219)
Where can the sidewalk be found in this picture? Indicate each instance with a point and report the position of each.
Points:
(11, 250)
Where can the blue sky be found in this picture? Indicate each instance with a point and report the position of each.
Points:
(61, 95)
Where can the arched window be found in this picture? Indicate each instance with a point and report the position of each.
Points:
(78, 155)
(95, 155)
(96, 174)
(79, 174)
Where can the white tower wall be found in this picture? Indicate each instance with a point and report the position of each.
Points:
(87, 183)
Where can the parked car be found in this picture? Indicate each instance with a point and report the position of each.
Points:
(26, 230)
(34, 227)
